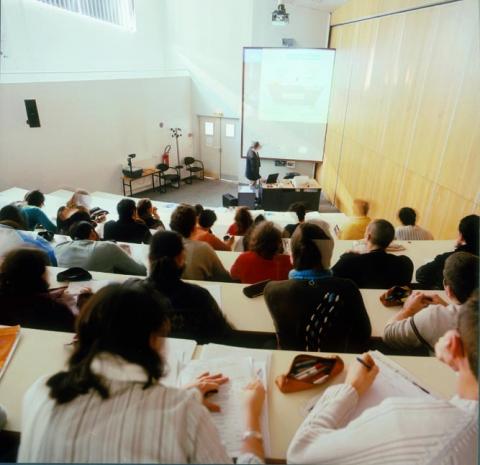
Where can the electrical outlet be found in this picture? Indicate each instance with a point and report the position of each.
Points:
(290, 164)
(280, 162)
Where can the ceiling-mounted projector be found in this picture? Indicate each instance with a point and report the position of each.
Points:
(280, 15)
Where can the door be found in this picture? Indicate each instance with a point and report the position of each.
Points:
(210, 148)
(230, 149)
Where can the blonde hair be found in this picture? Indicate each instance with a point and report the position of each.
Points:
(78, 199)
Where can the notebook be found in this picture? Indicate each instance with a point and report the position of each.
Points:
(392, 381)
(9, 337)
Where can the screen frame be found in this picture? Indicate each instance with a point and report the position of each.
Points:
(242, 152)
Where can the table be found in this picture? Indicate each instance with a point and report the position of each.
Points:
(280, 196)
(127, 181)
(252, 315)
(40, 353)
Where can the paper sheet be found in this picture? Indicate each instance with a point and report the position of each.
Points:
(95, 285)
(178, 352)
(230, 421)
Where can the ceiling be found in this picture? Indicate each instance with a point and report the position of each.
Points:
(324, 5)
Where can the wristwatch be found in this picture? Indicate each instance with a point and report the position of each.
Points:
(252, 434)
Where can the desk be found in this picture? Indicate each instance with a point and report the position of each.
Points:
(41, 353)
(252, 314)
(127, 181)
(279, 197)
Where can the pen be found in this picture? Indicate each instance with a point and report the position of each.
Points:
(366, 365)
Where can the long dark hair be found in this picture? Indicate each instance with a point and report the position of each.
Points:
(306, 255)
(164, 247)
(118, 319)
(243, 220)
(22, 272)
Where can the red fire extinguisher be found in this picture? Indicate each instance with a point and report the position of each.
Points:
(166, 155)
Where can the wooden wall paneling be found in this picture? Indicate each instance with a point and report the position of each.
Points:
(361, 9)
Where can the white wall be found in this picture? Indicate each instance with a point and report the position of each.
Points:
(207, 38)
(41, 42)
(87, 130)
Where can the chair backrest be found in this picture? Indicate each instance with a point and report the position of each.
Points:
(188, 160)
(162, 167)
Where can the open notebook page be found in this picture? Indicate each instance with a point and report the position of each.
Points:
(178, 352)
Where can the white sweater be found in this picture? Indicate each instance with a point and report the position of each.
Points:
(399, 431)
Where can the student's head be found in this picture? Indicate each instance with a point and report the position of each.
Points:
(407, 216)
(166, 257)
(243, 220)
(83, 230)
(126, 209)
(119, 320)
(13, 215)
(266, 240)
(80, 198)
(299, 209)
(183, 220)
(380, 233)
(469, 229)
(144, 208)
(23, 271)
(35, 198)
(198, 209)
(460, 275)
(207, 218)
(306, 247)
(360, 207)
(458, 348)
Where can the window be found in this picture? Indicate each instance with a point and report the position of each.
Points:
(229, 130)
(208, 128)
(119, 12)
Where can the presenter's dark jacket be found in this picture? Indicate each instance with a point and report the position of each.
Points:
(252, 171)
(374, 270)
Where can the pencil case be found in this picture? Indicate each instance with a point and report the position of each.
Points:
(309, 371)
(395, 296)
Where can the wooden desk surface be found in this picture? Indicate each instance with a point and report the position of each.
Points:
(41, 353)
(247, 314)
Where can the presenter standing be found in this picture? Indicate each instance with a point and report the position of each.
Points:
(252, 172)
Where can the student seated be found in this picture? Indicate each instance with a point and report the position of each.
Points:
(357, 224)
(430, 276)
(409, 231)
(202, 263)
(299, 209)
(264, 259)
(195, 313)
(294, 304)
(24, 296)
(34, 214)
(77, 209)
(88, 252)
(128, 228)
(375, 269)
(13, 234)
(242, 222)
(149, 215)
(109, 405)
(400, 430)
(203, 233)
(425, 318)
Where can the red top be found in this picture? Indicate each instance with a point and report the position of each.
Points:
(233, 230)
(250, 268)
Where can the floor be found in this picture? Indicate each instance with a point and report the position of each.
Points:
(209, 193)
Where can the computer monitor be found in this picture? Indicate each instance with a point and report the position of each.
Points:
(272, 178)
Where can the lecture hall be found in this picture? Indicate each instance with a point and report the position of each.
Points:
(239, 231)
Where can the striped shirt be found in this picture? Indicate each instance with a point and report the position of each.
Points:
(412, 233)
(399, 431)
(158, 424)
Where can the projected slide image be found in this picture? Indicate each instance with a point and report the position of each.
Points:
(286, 99)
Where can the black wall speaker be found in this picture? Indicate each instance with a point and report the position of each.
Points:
(32, 113)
